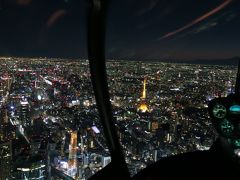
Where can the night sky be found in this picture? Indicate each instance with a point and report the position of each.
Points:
(136, 29)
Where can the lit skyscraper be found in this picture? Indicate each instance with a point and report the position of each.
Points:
(5, 160)
(72, 159)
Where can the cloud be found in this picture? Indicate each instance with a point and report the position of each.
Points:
(55, 16)
(231, 17)
(198, 20)
(150, 5)
(205, 27)
(221, 19)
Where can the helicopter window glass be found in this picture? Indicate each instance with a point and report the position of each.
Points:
(48, 112)
(166, 60)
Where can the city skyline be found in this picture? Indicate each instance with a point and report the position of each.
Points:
(50, 117)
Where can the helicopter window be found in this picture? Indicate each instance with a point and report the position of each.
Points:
(49, 123)
(165, 61)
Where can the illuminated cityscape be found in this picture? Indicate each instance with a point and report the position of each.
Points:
(49, 126)
(49, 121)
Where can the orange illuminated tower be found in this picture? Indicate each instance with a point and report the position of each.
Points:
(144, 88)
(72, 160)
(143, 105)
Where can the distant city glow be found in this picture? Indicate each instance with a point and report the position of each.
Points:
(160, 110)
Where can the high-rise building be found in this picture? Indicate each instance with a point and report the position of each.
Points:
(153, 125)
(105, 160)
(24, 111)
(72, 159)
(5, 160)
(85, 159)
(155, 155)
(30, 169)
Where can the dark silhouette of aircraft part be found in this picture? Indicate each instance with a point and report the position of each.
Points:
(117, 169)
